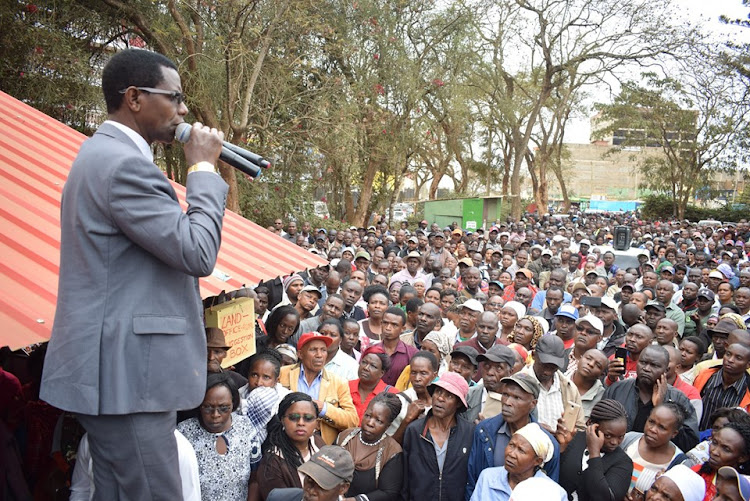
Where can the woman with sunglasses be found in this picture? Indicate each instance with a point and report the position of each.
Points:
(378, 458)
(227, 444)
(290, 443)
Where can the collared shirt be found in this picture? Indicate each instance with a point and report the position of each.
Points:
(399, 360)
(550, 404)
(405, 277)
(313, 389)
(716, 396)
(141, 143)
(343, 365)
(501, 442)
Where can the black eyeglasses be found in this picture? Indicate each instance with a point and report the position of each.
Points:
(177, 97)
(308, 418)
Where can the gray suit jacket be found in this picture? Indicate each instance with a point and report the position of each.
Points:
(128, 334)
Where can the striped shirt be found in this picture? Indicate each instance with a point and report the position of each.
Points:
(715, 396)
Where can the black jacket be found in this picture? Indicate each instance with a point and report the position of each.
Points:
(422, 477)
(607, 478)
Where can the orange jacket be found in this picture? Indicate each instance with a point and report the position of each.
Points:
(703, 377)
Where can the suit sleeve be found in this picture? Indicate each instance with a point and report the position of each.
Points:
(342, 415)
(142, 206)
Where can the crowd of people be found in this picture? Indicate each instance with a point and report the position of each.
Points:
(497, 364)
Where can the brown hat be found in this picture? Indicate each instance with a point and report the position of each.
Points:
(215, 338)
(329, 467)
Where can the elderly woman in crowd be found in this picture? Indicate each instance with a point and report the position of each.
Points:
(290, 443)
(440, 346)
(680, 483)
(593, 466)
(527, 332)
(378, 459)
(529, 448)
(652, 451)
(227, 444)
(372, 366)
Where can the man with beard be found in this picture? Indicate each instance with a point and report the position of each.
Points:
(613, 333)
(519, 394)
(648, 389)
(428, 316)
(637, 338)
(471, 280)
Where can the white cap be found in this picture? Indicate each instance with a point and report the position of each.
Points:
(593, 321)
(609, 303)
(473, 305)
(585, 241)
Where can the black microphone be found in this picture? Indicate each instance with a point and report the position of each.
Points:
(230, 153)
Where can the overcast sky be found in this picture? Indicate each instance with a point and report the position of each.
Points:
(700, 13)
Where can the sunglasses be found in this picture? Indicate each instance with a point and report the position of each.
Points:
(209, 409)
(307, 418)
(175, 96)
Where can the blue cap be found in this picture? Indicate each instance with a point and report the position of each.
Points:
(567, 310)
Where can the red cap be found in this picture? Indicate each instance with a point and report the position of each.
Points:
(313, 336)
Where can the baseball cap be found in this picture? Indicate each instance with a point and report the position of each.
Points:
(468, 352)
(499, 284)
(362, 254)
(329, 467)
(473, 305)
(550, 350)
(708, 294)
(547, 252)
(498, 353)
(526, 272)
(668, 269)
(580, 285)
(454, 383)
(609, 303)
(585, 241)
(629, 286)
(457, 231)
(525, 381)
(466, 260)
(593, 321)
(413, 239)
(313, 336)
(716, 274)
(743, 481)
(312, 288)
(567, 310)
(438, 235)
(655, 304)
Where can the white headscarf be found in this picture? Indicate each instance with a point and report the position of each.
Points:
(539, 440)
(691, 485)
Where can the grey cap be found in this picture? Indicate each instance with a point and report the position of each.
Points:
(498, 353)
(525, 381)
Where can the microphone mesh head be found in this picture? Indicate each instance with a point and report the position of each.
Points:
(182, 133)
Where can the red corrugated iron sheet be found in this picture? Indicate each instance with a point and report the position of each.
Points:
(36, 153)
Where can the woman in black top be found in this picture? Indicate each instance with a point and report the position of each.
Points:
(593, 465)
(378, 459)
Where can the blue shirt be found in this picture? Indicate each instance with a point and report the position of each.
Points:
(493, 484)
(313, 390)
(539, 298)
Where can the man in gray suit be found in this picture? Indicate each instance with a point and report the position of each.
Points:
(128, 346)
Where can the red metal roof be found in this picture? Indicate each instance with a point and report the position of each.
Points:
(36, 153)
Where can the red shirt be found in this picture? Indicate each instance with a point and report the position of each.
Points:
(688, 389)
(357, 399)
(630, 369)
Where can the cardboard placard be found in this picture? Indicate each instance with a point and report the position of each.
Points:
(237, 319)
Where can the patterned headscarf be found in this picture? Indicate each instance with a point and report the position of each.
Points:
(442, 343)
(538, 330)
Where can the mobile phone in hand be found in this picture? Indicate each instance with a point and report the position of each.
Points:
(622, 353)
